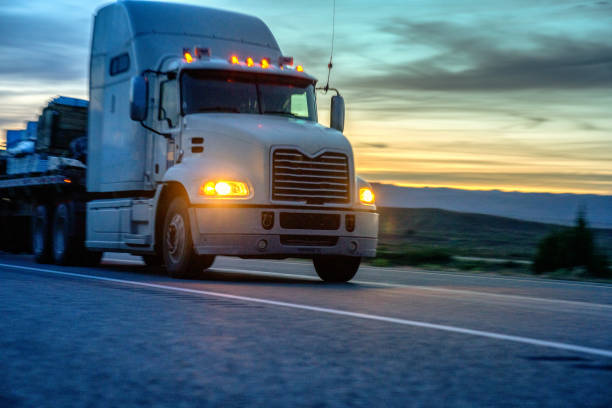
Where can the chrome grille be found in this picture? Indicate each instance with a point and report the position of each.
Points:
(318, 180)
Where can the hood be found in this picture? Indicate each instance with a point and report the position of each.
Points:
(267, 131)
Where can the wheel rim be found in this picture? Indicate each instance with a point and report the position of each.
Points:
(175, 238)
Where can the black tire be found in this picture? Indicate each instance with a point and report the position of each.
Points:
(179, 257)
(41, 234)
(64, 240)
(336, 268)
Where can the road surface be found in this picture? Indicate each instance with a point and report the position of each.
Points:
(270, 334)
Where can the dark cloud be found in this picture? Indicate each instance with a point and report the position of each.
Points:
(374, 145)
(37, 47)
(479, 59)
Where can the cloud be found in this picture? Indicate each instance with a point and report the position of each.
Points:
(374, 145)
(42, 47)
(480, 59)
(550, 180)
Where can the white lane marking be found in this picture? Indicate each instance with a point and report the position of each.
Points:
(399, 285)
(451, 274)
(366, 316)
(429, 273)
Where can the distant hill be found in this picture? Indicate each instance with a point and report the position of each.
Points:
(541, 207)
(469, 234)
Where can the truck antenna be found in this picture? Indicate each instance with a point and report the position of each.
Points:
(331, 54)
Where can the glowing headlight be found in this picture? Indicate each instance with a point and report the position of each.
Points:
(366, 195)
(224, 188)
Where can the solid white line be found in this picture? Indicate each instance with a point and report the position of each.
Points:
(399, 285)
(429, 273)
(414, 323)
(449, 273)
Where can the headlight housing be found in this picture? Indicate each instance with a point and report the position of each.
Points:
(224, 189)
(366, 196)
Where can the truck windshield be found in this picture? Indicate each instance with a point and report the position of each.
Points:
(237, 92)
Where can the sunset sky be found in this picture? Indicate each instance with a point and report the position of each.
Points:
(510, 95)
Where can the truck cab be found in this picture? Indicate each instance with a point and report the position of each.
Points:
(204, 140)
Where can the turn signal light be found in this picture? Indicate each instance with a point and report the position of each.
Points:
(224, 188)
(249, 62)
(234, 60)
(299, 68)
(188, 57)
(366, 195)
(264, 63)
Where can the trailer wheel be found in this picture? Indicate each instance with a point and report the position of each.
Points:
(177, 244)
(64, 239)
(336, 268)
(41, 234)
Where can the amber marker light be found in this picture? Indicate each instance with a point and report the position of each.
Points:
(299, 68)
(188, 57)
(224, 189)
(234, 60)
(265, 63)
(249, 62)
(67, 181)
(366, 196)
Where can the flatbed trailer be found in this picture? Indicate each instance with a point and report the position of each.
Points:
(21, 194)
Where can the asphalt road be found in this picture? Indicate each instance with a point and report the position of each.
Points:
(269, 333)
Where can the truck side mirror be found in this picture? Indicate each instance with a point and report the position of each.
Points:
(139, 96)
(336, 120)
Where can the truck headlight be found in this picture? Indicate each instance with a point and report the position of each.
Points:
(366, 195)
(224, 188)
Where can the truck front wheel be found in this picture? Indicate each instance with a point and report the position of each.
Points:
(336, 268)
(179, 256)
(41, 234)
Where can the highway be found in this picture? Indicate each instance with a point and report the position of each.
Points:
(270, 334)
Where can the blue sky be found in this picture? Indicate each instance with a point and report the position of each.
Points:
(512, 95)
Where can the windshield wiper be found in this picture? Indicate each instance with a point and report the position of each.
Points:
(283, 113)
(219, 109)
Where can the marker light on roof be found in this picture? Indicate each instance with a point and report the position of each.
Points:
(299, 68)
(234, 60)
(250, 62)
(264, 63)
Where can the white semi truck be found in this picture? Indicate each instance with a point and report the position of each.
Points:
(202, 141)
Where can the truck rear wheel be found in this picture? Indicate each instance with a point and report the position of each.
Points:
(41, 234)
(179, 256)
(336, 268)
(64, 239)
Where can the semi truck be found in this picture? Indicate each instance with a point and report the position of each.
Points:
(202, 140)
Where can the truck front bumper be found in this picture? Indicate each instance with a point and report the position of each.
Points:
(239, 231)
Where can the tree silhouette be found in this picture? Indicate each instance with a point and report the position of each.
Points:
(570, 248)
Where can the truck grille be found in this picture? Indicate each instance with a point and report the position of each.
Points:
(318, 180)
